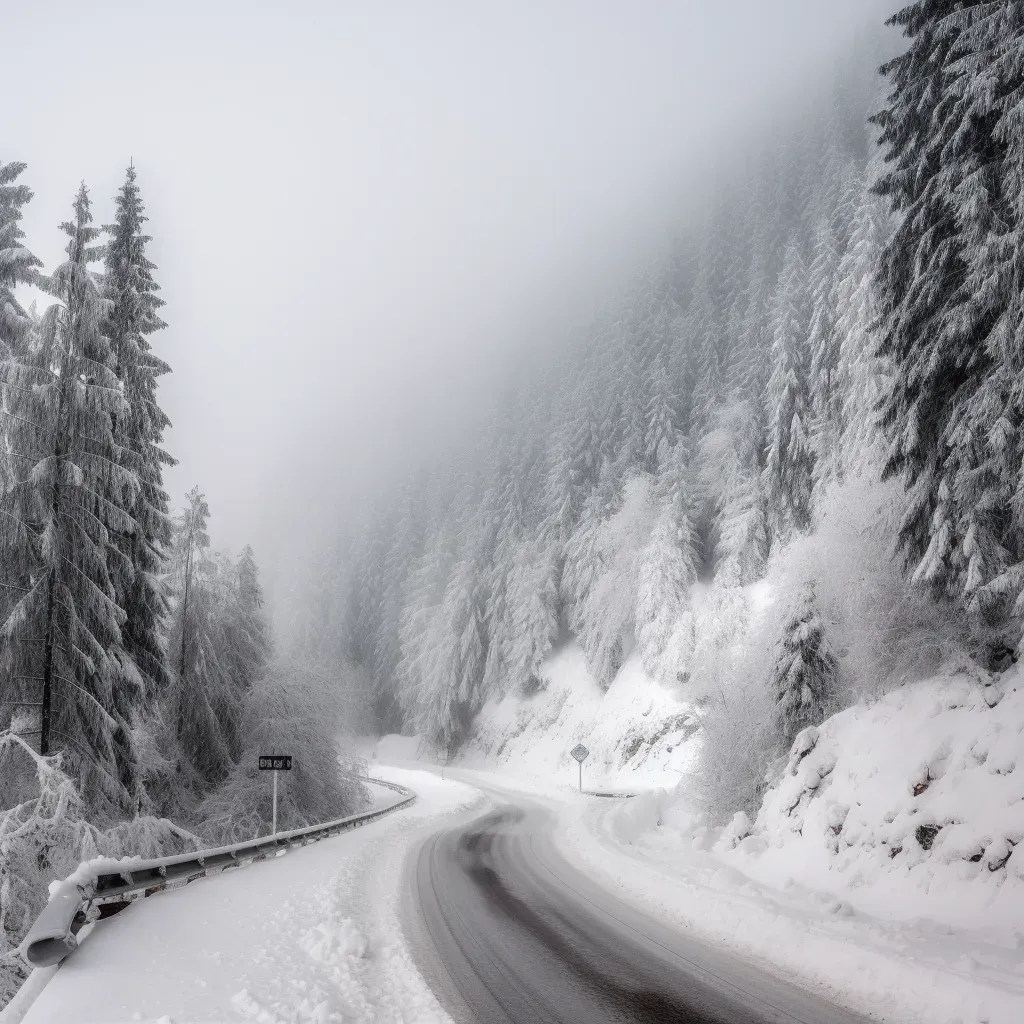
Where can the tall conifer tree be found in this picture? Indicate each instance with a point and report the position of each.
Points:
(63, 636)
(788, 473)
(137, 555)
(936, 356)
(131, 318)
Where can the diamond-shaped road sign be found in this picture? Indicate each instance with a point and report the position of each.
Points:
(579, 752)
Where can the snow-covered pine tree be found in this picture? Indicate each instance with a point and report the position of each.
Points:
(464, 639)
(826, 399)
(633, 443)
(789, 469)
(137, 556)
(131, 318)
(200, 680)
(804, 676)
(606, 616)
(935, 352)
(61, 641)
(668, 564)
(858, 372)
(729, 479)
(703, 323)
(659, 431)
(535, 607)
(407, 542)
(17, 266)
(245, 640)
(985, 449)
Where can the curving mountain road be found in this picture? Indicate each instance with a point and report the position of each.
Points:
(513, 933)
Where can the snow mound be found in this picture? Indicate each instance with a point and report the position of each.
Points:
(639, 733)
(913, 805)
(333, 940)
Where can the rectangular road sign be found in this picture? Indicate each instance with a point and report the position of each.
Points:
(275, 763)
(579, 752)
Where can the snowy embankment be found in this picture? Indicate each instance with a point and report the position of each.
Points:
(313, 936)
(880, 868)
(639, 733)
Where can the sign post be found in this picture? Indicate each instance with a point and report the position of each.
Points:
(580, 753)
(275, 763)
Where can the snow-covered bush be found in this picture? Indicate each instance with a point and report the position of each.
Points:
(738, 744)
(44, 835)
(291, 710)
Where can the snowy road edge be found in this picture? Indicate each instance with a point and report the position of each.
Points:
(68, 904)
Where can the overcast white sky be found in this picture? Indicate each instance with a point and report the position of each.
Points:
(365, 212)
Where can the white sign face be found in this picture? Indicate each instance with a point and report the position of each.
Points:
(579, 752)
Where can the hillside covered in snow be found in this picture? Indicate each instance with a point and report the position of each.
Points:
(775, 481)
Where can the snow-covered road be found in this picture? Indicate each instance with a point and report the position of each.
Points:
(313, 936)
(501, 899)
(524, 937)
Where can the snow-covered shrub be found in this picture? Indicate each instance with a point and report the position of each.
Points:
(738, 744)
(291, 710)
(44, 836)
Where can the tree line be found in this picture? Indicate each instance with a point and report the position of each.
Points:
(126, 645)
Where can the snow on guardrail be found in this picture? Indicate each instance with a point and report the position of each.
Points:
(100, 887)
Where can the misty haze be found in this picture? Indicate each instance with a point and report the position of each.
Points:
(538, 487)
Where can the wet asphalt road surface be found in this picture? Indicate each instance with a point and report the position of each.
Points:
(517, 934)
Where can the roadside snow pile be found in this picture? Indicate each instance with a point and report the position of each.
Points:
(637, 732)
(330, 940)
(911, 806)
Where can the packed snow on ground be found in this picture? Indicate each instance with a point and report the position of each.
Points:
(312, 936)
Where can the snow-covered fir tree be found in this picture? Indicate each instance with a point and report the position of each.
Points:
(803, 678)
(61, 639)
(935, 313)
(789, 471)
(200, 684)
(131, 317)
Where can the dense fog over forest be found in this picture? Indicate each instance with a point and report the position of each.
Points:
(364, 218)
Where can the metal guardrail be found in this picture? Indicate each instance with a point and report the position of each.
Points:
(114, 884)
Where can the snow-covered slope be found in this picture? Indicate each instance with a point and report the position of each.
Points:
(909, 807)
(639, 733)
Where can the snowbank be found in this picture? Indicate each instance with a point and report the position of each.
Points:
(909, 807)
(639, 733)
